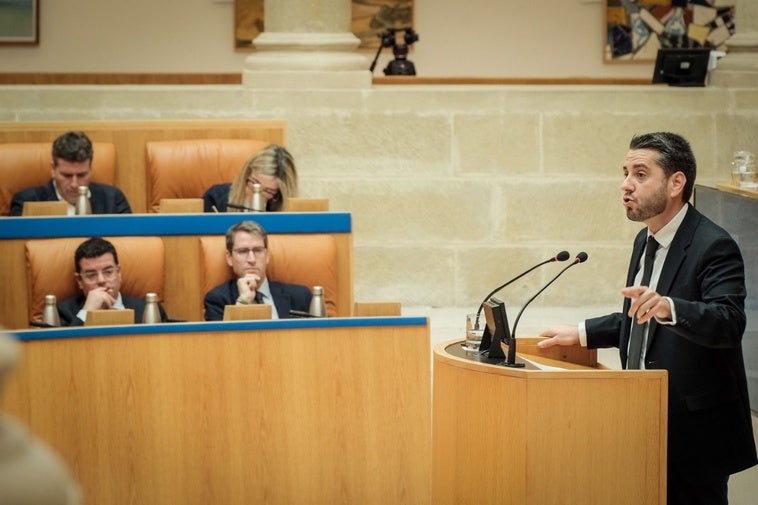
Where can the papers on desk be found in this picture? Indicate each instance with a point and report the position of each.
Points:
(538, 365)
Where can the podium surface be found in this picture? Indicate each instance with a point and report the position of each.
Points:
(528, 436)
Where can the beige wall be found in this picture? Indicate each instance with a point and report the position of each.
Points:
(473, 38)
(454, 189)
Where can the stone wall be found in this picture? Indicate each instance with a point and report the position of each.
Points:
(455, 189)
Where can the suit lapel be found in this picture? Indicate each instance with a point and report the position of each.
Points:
(677, 251)
(674, 258)
(281, 299)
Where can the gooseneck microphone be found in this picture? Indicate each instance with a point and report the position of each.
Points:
(561, 256)
(511, 360)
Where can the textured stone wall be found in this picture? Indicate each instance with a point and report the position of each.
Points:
(454, 189)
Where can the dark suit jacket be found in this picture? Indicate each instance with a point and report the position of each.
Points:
(709, 430)
(105, 199)
(216, 196)
(68, 309)
(286, 297)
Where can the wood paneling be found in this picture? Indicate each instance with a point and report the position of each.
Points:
(541, 437)
(276, 416)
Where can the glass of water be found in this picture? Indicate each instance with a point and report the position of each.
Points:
(474, 332)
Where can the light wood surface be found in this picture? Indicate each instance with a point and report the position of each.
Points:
(306, 416)
(538, 437)
(247, 312)
(236, 78)
(373, 309)
(296, 204)
(129, 138)
(109, 317)
(181, 205)
(57, 208)
(729, 188)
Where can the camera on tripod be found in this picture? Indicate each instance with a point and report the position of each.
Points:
(401, 65)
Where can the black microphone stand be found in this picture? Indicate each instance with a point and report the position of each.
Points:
(487, 337)
(241, 207)
(511, 360)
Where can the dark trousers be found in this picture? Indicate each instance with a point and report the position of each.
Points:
(682, 491)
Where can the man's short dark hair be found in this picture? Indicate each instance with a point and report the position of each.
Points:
(93, 248)
(72, 146)
(250, 227)
(674, 155)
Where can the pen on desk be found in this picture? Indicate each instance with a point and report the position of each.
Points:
(214, 209)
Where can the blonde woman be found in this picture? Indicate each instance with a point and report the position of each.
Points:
(272, 167)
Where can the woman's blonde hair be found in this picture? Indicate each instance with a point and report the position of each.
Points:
(273, 160)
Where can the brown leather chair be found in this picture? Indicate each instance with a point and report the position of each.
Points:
(309, 260)
(27, 164)
(187, 168)
(50, 268)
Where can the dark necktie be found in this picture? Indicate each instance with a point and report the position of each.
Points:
(638, 330)
(258, 297)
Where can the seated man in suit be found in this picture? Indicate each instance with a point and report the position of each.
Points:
(71, 168)
(99, 277)
(247, 254)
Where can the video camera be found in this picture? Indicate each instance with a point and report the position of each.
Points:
(400, 65)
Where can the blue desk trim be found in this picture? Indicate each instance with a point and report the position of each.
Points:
(169, 224)
(215, 326)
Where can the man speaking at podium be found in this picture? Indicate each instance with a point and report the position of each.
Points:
(683, 312)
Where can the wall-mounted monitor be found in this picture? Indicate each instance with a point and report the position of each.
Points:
(681, 66)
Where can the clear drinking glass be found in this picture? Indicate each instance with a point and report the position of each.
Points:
(474, 332)
(743, 170)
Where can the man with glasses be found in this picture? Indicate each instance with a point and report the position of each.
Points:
(71, 168)
(98, 275)
(247, 255)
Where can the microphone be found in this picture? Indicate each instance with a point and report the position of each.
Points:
(511, 361)
(561, 256)
(241, 207)
(40, 324)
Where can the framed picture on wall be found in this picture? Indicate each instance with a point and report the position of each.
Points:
(369, 19)
(636, 29)
(19, 22)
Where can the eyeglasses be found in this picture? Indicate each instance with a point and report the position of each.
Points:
(244, 252)
(269, 191)
(92, 276)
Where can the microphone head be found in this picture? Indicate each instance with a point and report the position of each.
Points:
(562, 256)
(581, 257)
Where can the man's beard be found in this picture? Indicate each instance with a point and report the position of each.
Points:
(651, 208)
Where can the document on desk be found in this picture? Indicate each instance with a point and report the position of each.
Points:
(540, 366)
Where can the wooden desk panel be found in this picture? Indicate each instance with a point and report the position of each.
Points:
(277, 412)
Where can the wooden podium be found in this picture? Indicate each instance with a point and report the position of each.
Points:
(525, 436)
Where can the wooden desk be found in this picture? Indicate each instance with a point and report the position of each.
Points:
(183, 293)
(538, 437)
(307, 411)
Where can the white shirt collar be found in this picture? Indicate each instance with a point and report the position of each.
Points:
(665, 235)
(71, 209)
(265, 290)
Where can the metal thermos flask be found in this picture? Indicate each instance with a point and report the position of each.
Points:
(318, 307)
